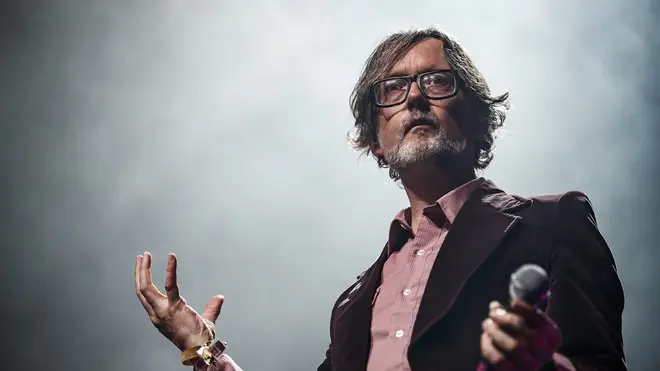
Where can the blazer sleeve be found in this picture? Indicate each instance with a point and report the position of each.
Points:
(586, 299)
(327, 362)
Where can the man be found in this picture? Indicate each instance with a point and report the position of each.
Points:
(431, 300)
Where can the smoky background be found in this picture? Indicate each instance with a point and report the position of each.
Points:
(217, 130)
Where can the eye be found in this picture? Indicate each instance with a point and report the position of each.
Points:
(439, 78)
(439, 84)
(391, 91)
(393, 85)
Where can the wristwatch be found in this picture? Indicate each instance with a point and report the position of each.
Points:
(205, 355)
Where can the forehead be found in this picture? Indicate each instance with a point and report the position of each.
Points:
(425, 56)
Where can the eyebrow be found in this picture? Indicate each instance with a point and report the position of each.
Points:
(423, 70)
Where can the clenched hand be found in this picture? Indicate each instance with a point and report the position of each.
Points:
(176, 320)
(520, 338)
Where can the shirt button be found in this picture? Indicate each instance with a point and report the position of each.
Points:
(407, 292)
(399, 333)
(421, 252)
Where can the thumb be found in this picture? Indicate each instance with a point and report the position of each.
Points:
(213, 307)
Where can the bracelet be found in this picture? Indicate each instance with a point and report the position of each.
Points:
(190, 355)
(205, 353)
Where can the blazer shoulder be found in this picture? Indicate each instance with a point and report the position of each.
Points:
(576, 202)
(545, 211)
(571, 202)
(566, 197)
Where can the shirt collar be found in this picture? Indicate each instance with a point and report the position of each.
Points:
(450, 204)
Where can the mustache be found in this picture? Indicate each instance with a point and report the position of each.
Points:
(417, 118)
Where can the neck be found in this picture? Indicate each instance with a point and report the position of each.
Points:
(425, 185)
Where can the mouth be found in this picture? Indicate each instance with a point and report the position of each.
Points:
(421, 124)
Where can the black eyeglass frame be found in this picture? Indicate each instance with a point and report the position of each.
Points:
(416, 78)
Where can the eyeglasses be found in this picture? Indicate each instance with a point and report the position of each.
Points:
(439, 84)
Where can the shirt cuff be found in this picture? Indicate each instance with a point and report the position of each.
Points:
(224, 363)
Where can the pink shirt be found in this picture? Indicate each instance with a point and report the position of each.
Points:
(404, 277)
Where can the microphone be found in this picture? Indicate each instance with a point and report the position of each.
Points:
(530, 284)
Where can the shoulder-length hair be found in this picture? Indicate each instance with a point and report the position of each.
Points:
(488, 111)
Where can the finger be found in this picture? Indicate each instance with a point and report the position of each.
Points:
(532, 348)
(511, 323)
(503, 341)
(136, 272)
(521, 305)
(515, 351)
(492, 355)
(546, 336)
(533, 316)
(494, 305)
(171, 286)
(539, 321)
(147, 288)
(145, 304)
(529, 313)
(213, 308)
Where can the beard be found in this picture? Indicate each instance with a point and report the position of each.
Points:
(422, 147)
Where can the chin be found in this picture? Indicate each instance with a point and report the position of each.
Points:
(434, 147)
(423, 146)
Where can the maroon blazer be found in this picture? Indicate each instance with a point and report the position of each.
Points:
(493, 235)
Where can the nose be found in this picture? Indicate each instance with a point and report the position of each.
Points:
(415, 98)
(414, 90)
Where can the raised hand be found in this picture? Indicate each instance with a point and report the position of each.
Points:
(176, 320)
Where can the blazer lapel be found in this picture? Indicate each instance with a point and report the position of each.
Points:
(478, 229)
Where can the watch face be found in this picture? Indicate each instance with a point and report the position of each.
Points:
(218, 348)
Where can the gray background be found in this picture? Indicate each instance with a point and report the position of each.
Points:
(217, 130)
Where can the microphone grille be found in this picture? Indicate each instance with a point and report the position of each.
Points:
(530, 284)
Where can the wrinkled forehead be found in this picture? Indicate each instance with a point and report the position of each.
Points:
(427, 55)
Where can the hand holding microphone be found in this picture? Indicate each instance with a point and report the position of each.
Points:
(520, 337)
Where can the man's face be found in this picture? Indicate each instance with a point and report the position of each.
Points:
(419, 129)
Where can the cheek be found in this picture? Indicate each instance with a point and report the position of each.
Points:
(386, 114)
(385, 125)
(456, 116)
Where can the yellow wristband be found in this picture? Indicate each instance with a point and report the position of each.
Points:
(190, 355)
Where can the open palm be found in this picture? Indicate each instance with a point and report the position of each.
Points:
(176, 320)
